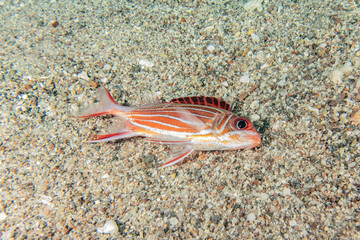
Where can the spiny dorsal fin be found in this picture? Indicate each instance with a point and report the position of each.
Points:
(201, 100)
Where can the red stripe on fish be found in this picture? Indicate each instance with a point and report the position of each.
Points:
(184, 118)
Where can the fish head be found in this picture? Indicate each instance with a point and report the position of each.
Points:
(241, 134)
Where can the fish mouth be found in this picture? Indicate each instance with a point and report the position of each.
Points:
(247, 139)
(254, 140)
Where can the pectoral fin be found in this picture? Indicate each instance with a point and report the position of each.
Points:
(177, 156)
(113, 136)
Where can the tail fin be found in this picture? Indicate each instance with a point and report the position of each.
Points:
(106, 105)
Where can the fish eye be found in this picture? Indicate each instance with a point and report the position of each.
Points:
(241, 123)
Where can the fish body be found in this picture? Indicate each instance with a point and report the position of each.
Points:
(195, 123)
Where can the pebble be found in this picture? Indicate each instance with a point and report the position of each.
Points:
(255, 117)
(109, 227)
(54, 23)
(347, 68)
(251, 217)
(104, 80)
(314, 110)
(337, 74)
(210, 47)
(277, 125)
(209, 29)
(46, 200)
(252, 5)
(173, 221)
(107, 67)
(145, 63)
(355, 118)
(255, 38)
(262, 196)
(83, 75)
(255, 105)
(323, 45)
(287, 191)
(20, 108)
(265, 65)
(292, 223)
(105, 176)
(3, 216)
(245, 78)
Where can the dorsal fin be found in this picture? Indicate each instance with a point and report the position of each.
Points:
(201, 100)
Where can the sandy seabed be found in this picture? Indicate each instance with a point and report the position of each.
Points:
(292, 67)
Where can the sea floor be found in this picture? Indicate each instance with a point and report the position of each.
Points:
(292, 67)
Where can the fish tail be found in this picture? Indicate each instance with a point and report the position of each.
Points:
(106, 105)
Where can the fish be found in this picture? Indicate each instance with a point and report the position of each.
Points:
(195, 123)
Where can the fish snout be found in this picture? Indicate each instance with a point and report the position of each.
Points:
(254, 140)
(245, 139)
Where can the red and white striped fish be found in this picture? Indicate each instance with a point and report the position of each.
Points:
(195, 123)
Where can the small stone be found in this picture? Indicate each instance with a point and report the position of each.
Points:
(314, 110)
(263, 196)
(210, 47)
(94, 84)
(46, 200)
(323, 162)
(9, 234)
(54, 23)
(251, 217)
(287, 191)
(173, 221)
(290, 132)
(265, 65)
(336, 76)
(20, 108)
(245, 78)
(83, 75)
(252, 5)
(255, 104)
(109, 227)
(255, 38)
(104, 80)
(105, 176)
(107, 67)
(347, 68)
(292, 223)
(215, 219)
(209, 29)
(277, 125)
(355, 118)
(323, 45)
(3, 216)
(255, 117)
(145, 63)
